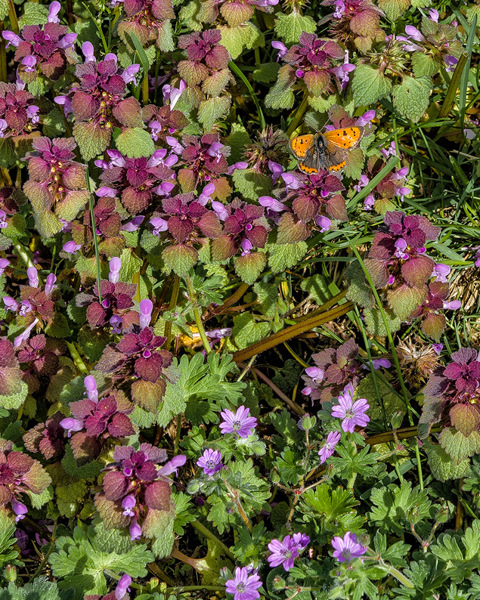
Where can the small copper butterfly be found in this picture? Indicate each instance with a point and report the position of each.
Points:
(327, 150)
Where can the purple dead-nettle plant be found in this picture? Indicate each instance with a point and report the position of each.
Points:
(164, 121)
(116, 308)
(352, 413)
(137, 180)
(96, 419)
(19, 474)
(332, 371)
(57, 181)
(452, 393)
(97, 101)
(136, 491)
(355, 23)
(43, 49)
(242, 223)
(149, 20)
(18, 113)
(47, 438)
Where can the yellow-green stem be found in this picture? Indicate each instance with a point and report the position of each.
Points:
(196, 313)
(171, 306)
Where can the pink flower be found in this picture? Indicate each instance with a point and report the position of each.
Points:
(239, 422)
(351, 413)
(347, 548)
(328, 448)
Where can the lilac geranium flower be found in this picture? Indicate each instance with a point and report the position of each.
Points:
(210, 461)
(244, 586)
(351, 413)
(239, 422)
(283, 553)
(328, 448)
(347, 548)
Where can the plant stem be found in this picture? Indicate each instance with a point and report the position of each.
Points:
(290, 403)
(13, 17)
(196, 314)
(291, 332)
(192, 588)
(177, 435)
(45, 558)
(145, 89)
(233, 67)
(22, 253)
(94, 232)
(238, 504)
(235, 297)
(209, 535)
(298, 116)
(171, 306)
(77, 359)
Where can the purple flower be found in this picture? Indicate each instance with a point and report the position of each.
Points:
(32, 274)
(19, 509)
(283, 553)
(369, 202)
(115, 266)
(71, 424)
(437, 348)
(244, 586)
(146, 307)
(23, 337)
(381, 362)
(91, 387)
(122, 587)
(210, 461)
(71, 247)
(4, 262)
(453, 305)
(10, 304)
(135, 530)
(328, 448)
(347, 548)
(128, 504)
(282, 49)
(301, 540)
(353, 414)
(240, 422)
(440, 271)
(433, 15)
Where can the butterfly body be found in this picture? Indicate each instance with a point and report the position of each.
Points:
(325, 151)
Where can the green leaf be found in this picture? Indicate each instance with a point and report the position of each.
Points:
(141, 53)
(289, 27)
(15, 401)
(92, 139)
(7, 153)
(184, 511)
(7, 540)
(212, 110)
(252, 184)
(247, 331)
(250, 266)
(394, 9)
(87, 471)
(266, 72)
(241, 37)
(3, 9)
(424, 65)
(180, 259)
(81, 561)
(374, 321)
(237, 140)
(159, 526)
(284, 256)
(442, 466)
(369, 85)
(135, 142)
(457, 445)
(40, 589)
(33, 14)
(412, 97)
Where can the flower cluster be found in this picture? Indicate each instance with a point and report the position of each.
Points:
(163, 121)
(19, 474)
(96, 419)
(148, 20)
(136, 180)
(333, 370)
(355, 23)
(43, 49)
(397, 262)
(315, 62)
(135, 490)
(97, 101)
(452, 393)
(18, 115)
(56, 181)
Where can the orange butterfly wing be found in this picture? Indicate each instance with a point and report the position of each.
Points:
(300, 144)
(345, 138)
